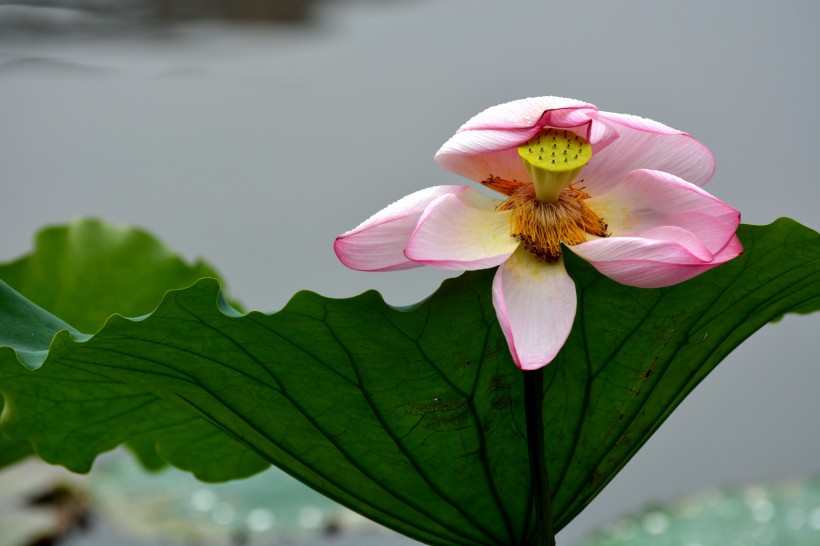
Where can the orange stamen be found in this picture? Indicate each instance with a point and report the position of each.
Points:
(507, 187)
(542, 227)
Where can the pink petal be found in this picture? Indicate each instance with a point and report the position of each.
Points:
(378, 243)
(535, 303)
(600, 135)
(648, 199)
(565, 118)
(462, 231)
(733, 249)
(505, 164)
(663, 256)
(485, 145)
(522, 113)
(645, 144)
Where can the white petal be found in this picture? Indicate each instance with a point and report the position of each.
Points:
(462, 231)
(645, 144)
(378, 243)
(662, 256)
(535, 303)
(647, 200)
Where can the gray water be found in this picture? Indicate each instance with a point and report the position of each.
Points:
(253, 146)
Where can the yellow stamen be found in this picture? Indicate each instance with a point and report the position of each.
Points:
(553, 159)
(542, 227)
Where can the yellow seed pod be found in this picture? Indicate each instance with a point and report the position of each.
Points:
(554, 158)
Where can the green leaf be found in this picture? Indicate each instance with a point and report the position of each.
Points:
(86, 271)
(29, 330)
(413, 417)
(634, 354)
(12, 451)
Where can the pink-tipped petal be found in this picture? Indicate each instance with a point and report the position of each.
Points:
(646, 144)
(649, 199)
(733, 249)
(485, 145)
(478, 155)
(663, 256)
(378, 243)
(505, 164)
(600, 135)
(522, 113)
(462, 231)
(566, 118)
(535, 303)
(638, 123)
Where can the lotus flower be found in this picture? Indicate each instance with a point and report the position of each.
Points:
(620, 191)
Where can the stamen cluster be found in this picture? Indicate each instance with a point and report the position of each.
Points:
(542, 227)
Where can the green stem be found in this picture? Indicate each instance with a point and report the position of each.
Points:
(533, 404)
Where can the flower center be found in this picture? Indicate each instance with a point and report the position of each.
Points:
(553, 158)
(550, 211)
(542, 227)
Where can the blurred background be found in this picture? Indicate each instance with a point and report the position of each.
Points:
(250, 133)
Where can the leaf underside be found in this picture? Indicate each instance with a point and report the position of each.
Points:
(412, 417)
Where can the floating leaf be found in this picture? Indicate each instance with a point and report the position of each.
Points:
(412, 417)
